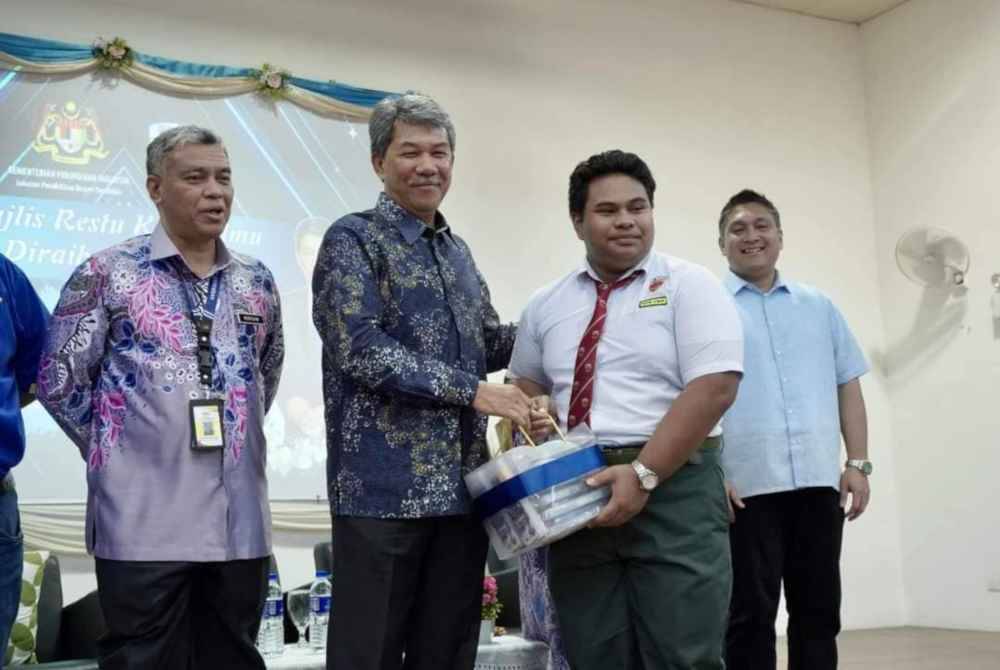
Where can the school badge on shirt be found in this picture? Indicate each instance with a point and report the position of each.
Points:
(656, 300)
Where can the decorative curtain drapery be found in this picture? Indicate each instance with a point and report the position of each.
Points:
(59, 527)
(116, 58)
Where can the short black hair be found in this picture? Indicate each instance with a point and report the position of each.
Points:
(744, 197)
(615, 161)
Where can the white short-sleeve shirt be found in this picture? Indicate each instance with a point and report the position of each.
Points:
(671, 325)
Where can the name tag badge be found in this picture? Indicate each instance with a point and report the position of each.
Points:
(206, 424)
(251, 319)
(658, 301)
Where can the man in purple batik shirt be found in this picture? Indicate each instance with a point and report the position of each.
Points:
(163, 356)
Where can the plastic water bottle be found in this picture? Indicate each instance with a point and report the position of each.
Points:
(320, 600)
(271, 639)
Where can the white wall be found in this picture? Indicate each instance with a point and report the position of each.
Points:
(934, 108)
(714, 95)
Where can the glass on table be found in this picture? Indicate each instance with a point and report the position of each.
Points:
(298, 610)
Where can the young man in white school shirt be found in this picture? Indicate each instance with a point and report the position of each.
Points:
(647, 349)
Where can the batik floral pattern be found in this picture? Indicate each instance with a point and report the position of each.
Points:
(538, 612)
(110, 416)
(153, 316)
(121, 344)
(236, 419)
(408, 332)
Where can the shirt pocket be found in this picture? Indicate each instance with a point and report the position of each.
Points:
(644, 317)
(642, 338)
(650, 306)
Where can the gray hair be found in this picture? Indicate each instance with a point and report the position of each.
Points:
(169, 140)
(414, 108)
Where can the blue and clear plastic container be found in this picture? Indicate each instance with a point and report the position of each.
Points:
(531, 496)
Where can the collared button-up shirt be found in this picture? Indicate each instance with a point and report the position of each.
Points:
(118, 373)
(671, 325)
(23, 318)
(408, 332)
(783, 430)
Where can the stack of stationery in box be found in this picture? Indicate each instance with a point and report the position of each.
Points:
(534, 495)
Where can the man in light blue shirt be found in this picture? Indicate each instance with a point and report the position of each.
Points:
(800, 394)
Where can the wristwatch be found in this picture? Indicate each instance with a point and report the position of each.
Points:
(861, 464)
(648, 480)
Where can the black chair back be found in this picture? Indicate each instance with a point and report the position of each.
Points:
(82, 626)
(50, 604)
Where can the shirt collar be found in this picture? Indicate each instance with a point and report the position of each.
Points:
(587, 270)
(161, 247)
(410, 227)
(735, 284)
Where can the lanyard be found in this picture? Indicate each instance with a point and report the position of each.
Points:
(203, 326)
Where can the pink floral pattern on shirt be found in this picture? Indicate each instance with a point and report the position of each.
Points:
(110, 414)
(153, 316)
(236, 410)
(121, 340)
(118, 373)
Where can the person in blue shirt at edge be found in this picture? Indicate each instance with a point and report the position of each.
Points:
(409, 333)
(800, 393)
(23, 320)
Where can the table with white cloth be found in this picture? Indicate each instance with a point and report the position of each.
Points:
(295, 658)
(511, 652)
(506, 652)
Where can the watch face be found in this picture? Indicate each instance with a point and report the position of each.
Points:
(864, 466)
(648, 482)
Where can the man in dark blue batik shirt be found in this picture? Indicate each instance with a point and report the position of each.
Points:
(23, 319)
(408, 336)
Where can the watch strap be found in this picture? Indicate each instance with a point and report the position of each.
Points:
(644, 474)
(862, 464)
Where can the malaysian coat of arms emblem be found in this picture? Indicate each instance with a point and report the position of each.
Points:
(70, 135)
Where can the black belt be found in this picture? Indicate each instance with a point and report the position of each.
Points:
(7, 484)
(624, 455)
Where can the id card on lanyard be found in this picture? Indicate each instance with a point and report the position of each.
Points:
(205, 414)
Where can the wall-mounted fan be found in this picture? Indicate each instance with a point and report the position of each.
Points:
(932, 257)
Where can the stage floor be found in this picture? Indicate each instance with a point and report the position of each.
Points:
(914, 649)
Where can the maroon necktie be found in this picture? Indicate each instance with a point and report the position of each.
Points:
(582, 396)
